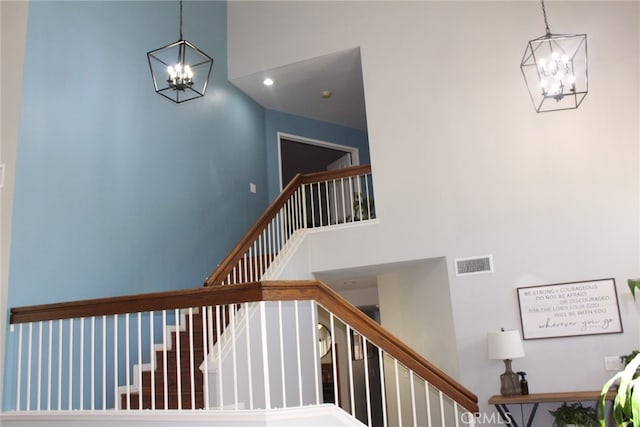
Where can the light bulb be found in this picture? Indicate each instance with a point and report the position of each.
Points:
(268, 82)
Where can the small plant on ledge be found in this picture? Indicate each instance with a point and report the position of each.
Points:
(363, 207)
(574, 415)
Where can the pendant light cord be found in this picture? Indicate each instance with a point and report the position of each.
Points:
(544, 13)
(181, 19)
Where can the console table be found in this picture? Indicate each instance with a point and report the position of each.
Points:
(501, 402)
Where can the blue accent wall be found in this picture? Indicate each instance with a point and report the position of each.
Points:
(308, 128)
(119, 190)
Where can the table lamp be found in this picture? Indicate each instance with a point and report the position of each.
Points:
(506, 345)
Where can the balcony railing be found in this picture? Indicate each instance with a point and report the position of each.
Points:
(262, 352)
(317, 200)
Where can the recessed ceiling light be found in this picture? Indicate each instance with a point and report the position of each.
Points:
(268, 81)
(326, 94)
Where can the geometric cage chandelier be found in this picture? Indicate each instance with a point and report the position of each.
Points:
(180, 71)
(554, 67)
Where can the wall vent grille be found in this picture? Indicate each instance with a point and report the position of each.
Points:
(474, 265)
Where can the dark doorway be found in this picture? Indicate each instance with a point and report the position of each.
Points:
(307, 156)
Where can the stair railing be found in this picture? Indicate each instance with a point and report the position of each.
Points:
(315, 200)
(98, 354)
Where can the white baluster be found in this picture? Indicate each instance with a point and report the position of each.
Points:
(248, 343)
(234, 357)
(442, 418)
(334, 359)
(165, 367)
(398, 401)
(219, 345)
(191, 360)
(81, 376)
(316, 356)
(178, 370)
(60, 322)
(104, 363)
(70, 404)
(127, 361)
(49, 361)
(117, 400)
(282, 368)
(427, 401)
(205, 317)
(39, 378)
(413, 399)
(19, 368)
(383, 390)
(93, 363)
(139, 348)
(366, 378)
(297, 321)
(265, 355)
(152, 360)
(351, 378)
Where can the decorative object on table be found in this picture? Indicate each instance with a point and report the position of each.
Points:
(554, 67)
(180, 71)
(524, 384)
(574, 415)
(569, 309)
(506, 345)
(626, 404)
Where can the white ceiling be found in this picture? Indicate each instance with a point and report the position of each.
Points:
(298, 89)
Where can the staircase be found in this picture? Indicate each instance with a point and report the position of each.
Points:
(271, 358)
(153, 391)
(248, 262)
(155, 377)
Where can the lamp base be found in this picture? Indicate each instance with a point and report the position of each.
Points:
(509, 382)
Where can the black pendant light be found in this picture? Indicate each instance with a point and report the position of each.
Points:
(554, 67)
(180, 71)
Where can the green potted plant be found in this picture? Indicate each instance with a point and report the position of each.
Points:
(625, 409)
(626, 403)
(574, 414)
(633, 285)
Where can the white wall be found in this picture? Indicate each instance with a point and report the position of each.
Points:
(415, 305)
(463, 165)
(13, 15)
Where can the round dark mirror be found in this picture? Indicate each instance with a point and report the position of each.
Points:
(324, 340)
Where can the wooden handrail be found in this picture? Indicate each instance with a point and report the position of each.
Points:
(238, 251)
(252, 292)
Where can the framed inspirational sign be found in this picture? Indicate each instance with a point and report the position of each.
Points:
(569, 309)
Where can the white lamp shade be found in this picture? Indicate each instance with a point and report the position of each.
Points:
(505, 345)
